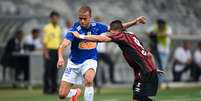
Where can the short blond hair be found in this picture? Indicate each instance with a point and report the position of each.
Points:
(84, 9)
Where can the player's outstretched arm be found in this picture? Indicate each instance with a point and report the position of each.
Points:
(63, 45)
(96, 38)
(139, 20)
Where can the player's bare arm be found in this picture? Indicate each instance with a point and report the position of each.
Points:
(139, 20)
(96, 38)
(63, 45)
(153, 60)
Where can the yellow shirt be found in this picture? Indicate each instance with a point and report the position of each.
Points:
(52, 36)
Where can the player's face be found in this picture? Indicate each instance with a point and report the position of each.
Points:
(84, 19)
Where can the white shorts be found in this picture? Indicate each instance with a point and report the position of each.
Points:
(73, 73)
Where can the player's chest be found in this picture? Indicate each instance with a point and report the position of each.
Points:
(91, 31)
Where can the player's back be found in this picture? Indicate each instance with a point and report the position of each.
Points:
(134, 52)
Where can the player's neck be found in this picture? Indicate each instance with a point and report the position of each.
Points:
(116, 32)
(86, 27)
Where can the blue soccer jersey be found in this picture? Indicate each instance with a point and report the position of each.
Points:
(82, 50)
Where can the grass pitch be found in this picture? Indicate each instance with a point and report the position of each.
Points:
(107, 94)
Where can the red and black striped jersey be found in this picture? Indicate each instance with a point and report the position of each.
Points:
(134, 53)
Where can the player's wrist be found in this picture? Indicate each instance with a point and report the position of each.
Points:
(82, 36)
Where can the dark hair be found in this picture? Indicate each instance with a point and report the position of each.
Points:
(84, 9)
(116, 25)
(54, 13)
(161, 22)
(35, 30)
(18, 32)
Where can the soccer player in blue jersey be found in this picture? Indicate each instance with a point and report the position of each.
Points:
(82, 61)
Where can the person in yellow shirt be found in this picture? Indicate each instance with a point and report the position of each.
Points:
(51, 40)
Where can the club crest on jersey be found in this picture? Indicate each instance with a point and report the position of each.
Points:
(88, 33)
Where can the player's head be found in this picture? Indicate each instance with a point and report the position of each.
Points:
(116, 26)
(54, 16)
(84, 16)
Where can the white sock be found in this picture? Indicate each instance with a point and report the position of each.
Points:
(89, 93)
(72, 92)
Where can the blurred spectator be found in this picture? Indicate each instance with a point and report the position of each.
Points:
(159, 35)
(51, 40)
(68, 25)
(160, 38)
(13, 45)
(32, 41)
(182, 60)
(13, 56)
(197, 63)
(154, 49)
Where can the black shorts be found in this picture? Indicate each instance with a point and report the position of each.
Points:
(146, 87)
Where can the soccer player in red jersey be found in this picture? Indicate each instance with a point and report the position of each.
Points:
(141, 60)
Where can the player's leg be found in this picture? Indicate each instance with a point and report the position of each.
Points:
(70, 77)
(64, 89)
(139, 94)
(89, 71)
(145, 87)
(88, 80)
(137, 91)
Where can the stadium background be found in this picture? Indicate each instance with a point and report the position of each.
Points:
(182, 15)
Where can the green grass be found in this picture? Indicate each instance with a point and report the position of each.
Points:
(107, 94)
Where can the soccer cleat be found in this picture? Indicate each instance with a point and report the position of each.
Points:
(75, 97)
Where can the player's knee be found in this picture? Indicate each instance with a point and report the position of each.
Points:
(62, 94)
(88, 82)
(89, 77)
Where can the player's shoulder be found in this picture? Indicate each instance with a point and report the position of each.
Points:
(97, 24)
(76, 26)
(130, 33)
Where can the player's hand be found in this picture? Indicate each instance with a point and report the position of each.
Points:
(76, 34)
(160, 71)
(60, 63)
(141, 20)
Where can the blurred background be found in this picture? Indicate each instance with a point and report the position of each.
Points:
(172, 33)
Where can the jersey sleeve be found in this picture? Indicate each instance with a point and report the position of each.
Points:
(102, 28)
(68, 34)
